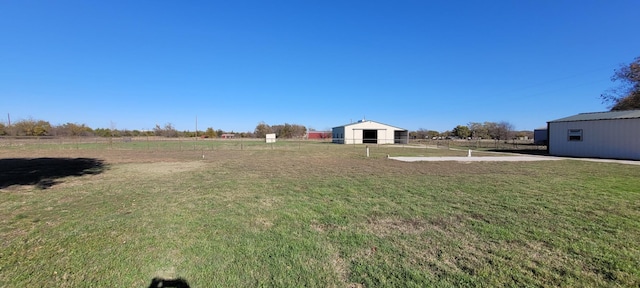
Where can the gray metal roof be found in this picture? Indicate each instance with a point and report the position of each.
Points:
(364, 121)
(628, 114)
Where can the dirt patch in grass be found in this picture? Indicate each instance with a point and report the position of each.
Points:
(340, 266)
(269, 202)
(323, 227)
(263, 223)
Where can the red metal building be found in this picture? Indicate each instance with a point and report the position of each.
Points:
(318, 135)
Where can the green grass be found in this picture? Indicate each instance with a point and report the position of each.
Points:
(316, 214)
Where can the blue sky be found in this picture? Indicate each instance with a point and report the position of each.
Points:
(232, 64)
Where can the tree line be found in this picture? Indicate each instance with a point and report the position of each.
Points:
(39, 128)
(474, 130)
(285, 130)
(31, 127)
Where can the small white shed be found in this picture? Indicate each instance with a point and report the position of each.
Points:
(367, 131)
(599, 135)
(270, 138)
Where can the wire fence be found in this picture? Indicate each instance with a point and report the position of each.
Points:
(179, 144)
(482, 144)
(146, 143)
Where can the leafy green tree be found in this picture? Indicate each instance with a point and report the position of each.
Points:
(73, 129)
(262, 129)
(210, 133)
(3, 129)
(32, 127)
(102, 132)
(491, 130)
(461, 131)
(627, 95)
(287, 130)
(479, 130)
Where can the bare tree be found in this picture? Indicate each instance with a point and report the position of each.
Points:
(627, 95)
(422, 133)
(504, 130)
(166, 131)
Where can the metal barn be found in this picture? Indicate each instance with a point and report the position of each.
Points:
(540, 136)
(367, 131)
(614, 135)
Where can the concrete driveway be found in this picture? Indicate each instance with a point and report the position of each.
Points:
(519, 158)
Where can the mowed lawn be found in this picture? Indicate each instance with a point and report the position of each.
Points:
(315, 215)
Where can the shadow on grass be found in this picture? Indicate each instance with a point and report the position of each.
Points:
(174, 283)
(43, 172)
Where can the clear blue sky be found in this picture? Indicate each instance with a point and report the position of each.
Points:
(412, 64)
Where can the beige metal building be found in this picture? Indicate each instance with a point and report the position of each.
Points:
(367, 131)
(612, 134)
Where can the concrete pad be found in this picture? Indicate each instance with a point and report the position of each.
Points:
(478, 159)
(521, 158)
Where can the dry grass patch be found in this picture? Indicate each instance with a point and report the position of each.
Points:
(325, 227)
(159, 169)
(384, 227)
(263, 223)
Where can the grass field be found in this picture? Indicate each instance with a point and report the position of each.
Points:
(311, 214)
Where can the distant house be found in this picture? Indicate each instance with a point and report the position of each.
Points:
(228, 136)
(367, 131)
(612, 134)
(318, 135)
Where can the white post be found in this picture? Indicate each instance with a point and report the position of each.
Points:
(469, 154)
(367, 151)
